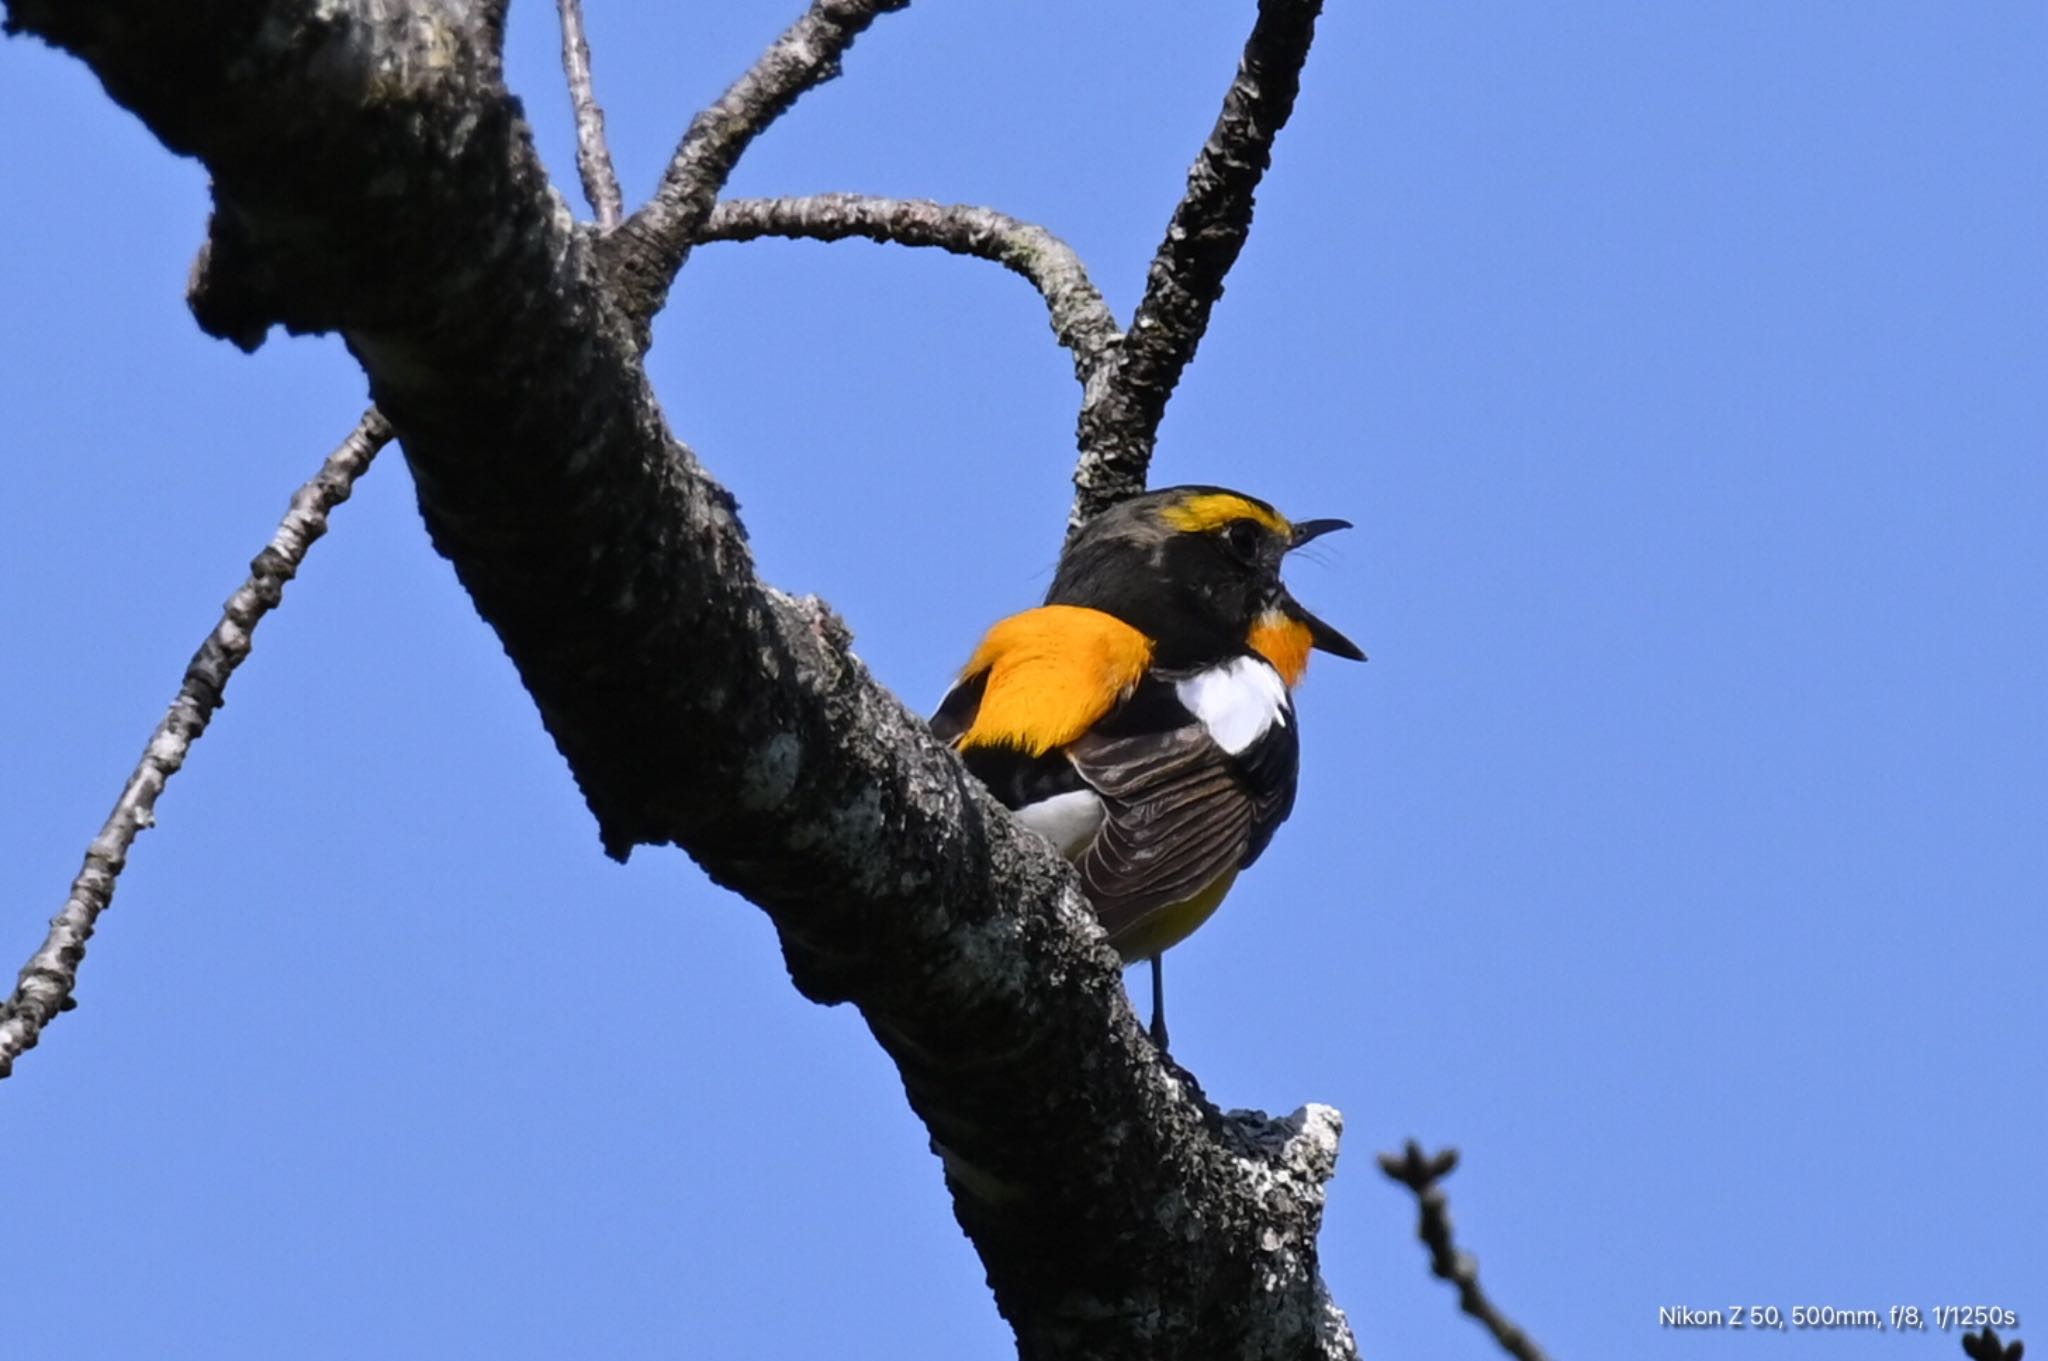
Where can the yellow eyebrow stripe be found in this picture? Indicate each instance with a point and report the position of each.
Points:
(1205, 511)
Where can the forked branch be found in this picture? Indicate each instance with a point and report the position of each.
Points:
(648, 250)
(1986, 1346)
(1118, 1214)
(1420, 1173)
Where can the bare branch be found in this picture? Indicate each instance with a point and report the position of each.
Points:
(1120, 418)
(653, 243)
(1985, 1346)
(593, 156)
(51, 974)
(1080, 318)
(1420, 1174)
(1118, 1213)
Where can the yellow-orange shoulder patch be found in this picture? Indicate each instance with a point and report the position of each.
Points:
(1283, 641)
(1204, 511)
(1052, 672)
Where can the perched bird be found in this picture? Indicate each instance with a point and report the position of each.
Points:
(1140, 719)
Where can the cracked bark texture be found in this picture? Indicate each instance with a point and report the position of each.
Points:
(372, 177)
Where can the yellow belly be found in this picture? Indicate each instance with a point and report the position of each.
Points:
(1163, 928)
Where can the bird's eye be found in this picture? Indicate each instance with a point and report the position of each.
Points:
(1241, 537)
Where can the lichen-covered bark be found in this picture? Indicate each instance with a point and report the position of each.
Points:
(373, 177)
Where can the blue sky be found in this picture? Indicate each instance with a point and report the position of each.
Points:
(1680, 855)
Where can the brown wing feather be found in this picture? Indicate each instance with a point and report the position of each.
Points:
(1178, 817)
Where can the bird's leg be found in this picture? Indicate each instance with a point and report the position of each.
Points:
(1158, 1003)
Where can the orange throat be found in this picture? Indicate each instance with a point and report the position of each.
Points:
(1283, 641)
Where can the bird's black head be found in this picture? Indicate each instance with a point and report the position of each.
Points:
(1197, 569)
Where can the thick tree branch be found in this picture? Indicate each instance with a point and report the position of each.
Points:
(372, 176)
(593, 155)
(51, 974)
(1420, 1172)
(651, 247)
(1120, 416)
(1080, 318)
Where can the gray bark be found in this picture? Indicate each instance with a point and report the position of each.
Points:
(372, 177)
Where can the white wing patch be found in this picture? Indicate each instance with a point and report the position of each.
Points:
(1237, 701)
(1069, 821)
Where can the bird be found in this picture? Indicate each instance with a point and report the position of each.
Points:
(1142, 718)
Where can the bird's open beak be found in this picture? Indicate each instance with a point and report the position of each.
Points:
(1320, 635)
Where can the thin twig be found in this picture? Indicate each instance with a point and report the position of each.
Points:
(1080, 318)
(651, 245)
(1120, 418)
(593, 156)
(50, 975)
(1985, 1346)
(1420, 1174)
